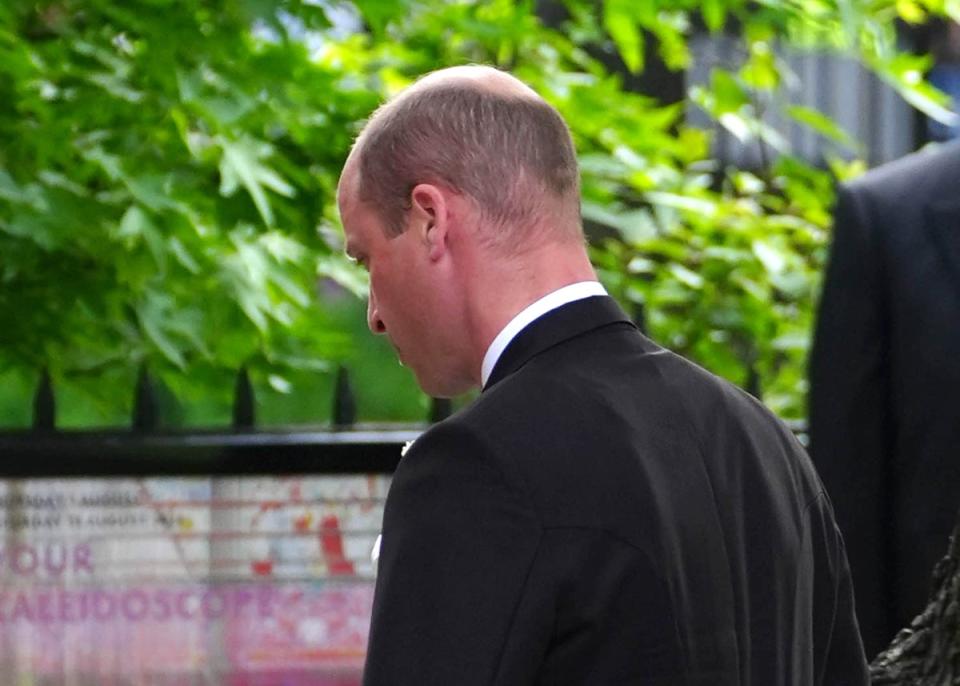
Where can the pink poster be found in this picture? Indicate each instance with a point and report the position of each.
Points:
(240, 581)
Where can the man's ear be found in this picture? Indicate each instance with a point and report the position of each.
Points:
(430, 217)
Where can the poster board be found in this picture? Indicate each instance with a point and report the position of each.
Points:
(224, 580)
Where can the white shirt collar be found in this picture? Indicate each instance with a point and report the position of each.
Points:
(533, 311)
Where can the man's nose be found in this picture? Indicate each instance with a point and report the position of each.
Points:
(373, 317)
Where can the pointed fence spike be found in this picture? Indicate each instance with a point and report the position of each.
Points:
(753, 383)
(440, 409)
(244, 402)
(344, 401)
(145, 406)
(44, 404)
(640, 317)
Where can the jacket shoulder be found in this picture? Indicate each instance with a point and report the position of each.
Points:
(932, 173)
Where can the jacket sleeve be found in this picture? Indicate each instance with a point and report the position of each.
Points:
(849, 403)
(838, 650)
(458, 543)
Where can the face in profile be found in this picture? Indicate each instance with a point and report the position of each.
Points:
(410, 296)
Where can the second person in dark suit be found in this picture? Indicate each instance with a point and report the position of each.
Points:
(885, 382)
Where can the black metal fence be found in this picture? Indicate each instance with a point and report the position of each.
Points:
(145, 449)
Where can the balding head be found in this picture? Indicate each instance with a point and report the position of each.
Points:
(479, 132)
(479, 76)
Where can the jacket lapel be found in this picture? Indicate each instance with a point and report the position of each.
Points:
(943, 224)
(556, 326)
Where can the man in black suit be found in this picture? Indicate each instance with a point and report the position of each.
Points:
(885, 382)
(605, 512)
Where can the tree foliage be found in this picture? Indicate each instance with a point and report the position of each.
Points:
(168, 169)
(164, 171)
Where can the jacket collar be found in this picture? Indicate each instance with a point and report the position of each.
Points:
(556, 326)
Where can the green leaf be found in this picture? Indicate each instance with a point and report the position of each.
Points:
(600, 164)
(929, 101)
(136, 225)
(279, 383)
(152, 191)
(740, 126)
(701, 206)
(110, 164)
(952, 9)
(620, 22)
(747, 183)
(241, 164)
(731, 256)
(283, 248)
(642, 265)
(911, 11)
(634, 226)
(183, 256)
(32, 228)
(714, 14)
(820, 123)
(846, 170)
(760, 71)
(31, 195)
(290, 287)
(310, 364)
(686, 276)
(116, 87)
(729, 95)
(905, 73)
(345, 273)
(54, 179)
(152, 314)
(9, 190)
(771, 257)
(793, 340)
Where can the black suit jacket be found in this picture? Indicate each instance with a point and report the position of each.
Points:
(885, 382)
(608, 513)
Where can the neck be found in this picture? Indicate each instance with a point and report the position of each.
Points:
(504, 288)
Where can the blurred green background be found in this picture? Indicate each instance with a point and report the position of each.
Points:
(168, 170)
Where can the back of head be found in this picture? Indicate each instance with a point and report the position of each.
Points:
(479, 132)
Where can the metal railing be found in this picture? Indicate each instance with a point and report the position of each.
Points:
(241, 449)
